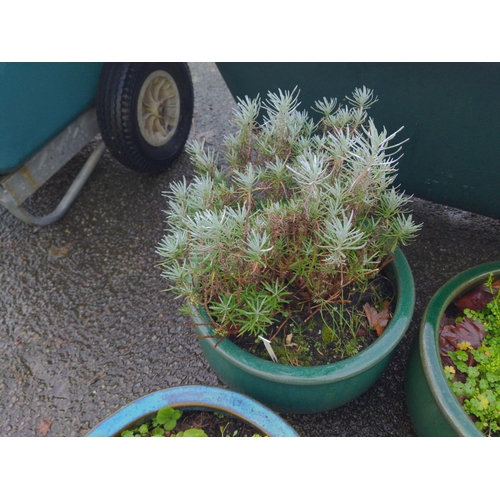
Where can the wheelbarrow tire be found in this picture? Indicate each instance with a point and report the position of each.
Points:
(144, 112)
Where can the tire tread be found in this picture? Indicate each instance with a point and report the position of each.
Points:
(115, 116)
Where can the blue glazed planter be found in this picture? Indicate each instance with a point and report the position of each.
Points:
(195, 397)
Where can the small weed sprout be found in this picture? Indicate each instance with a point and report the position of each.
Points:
(294, 212)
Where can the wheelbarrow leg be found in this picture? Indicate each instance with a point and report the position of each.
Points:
(68, 198)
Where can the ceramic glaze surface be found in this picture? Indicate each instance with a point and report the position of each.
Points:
(195, 397)
(433, 407)
(292, 389)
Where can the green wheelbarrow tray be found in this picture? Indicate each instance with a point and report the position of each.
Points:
(47, 115)
(450, 113)
(50, 111)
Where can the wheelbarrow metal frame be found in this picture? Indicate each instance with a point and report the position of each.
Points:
(17, 187)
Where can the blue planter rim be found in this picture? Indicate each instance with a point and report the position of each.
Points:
(196, 397)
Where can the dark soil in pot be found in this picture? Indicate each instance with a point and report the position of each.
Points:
(307, 339)
(213, 424)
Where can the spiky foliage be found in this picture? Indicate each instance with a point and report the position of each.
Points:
(299, 211)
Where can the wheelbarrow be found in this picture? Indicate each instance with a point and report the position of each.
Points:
(50, 111)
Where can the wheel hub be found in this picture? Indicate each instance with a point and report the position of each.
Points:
(158, 108)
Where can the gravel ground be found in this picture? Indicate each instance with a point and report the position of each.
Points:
(85, 325)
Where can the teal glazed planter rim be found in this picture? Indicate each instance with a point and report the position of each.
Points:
(444, 398)
(196, 397)
(345, 369)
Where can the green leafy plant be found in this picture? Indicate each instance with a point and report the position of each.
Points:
(474, 376)
(190, 433)
(167, 422)
(161, 424)
(295, 219)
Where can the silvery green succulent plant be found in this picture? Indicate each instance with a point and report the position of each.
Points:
(293, 213)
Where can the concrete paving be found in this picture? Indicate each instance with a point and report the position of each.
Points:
(85, 326)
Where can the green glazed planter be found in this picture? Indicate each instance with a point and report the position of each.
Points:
(433, 407)
(303, 389)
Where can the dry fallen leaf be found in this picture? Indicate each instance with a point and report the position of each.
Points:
(467, 330)
(288, 341)
(377, 320)
(450, 336)
(59, 252)
(208, 136)
(476, 299)
(44, 427)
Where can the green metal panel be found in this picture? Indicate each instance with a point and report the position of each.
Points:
(37, 101)
(450, 111)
